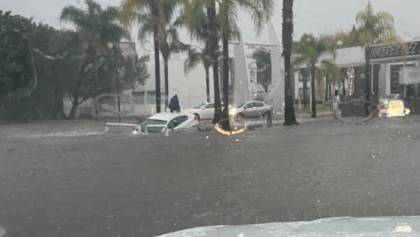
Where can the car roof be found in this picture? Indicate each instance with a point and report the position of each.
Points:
(166, 116)
(253, 101)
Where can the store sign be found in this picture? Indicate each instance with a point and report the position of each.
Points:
(410, 76)
(392, 50)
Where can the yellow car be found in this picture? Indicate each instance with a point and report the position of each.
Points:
(393, 108)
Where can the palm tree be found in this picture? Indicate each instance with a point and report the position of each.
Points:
(308, 51)
(195, 57)
(374, 28)
(169, 39)
(331, 72)
(200, 17)
(130, 10)
(289, 110)
(261, 10)
(97, 28)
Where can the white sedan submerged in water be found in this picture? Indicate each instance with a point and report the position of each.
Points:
(162, 121)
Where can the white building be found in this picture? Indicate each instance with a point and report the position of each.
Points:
(393, 72)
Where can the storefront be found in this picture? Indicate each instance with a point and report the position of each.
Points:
(396, 72)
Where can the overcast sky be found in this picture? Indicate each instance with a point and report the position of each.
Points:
(316, 16)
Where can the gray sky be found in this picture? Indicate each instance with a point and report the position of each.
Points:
(316, 16)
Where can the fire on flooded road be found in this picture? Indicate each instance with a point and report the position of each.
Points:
(236, 128)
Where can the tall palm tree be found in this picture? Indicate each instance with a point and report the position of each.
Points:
(374, 28)
(203, 24)
(331, 72)
(308, 51)
(260, 10)
(169, 39)
(289, 110)
(130, 10)
(97, 28)
(194, 58)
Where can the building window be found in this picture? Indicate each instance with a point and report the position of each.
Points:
(395, 79)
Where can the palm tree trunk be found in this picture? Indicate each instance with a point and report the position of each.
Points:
(225, 113)
(367, 77)
(305, 89)
(289, 110)
(214, 45)
(207, 69)
(95, 102)
(157, 67)
(327, 86)
(217, 100)
(74, 106)
(330, 90)
(58, 104)
(166, 83)
(118, 96)
(313, 97)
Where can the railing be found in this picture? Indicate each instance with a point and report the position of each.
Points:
(137, 127)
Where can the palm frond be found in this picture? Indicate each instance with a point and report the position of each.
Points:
(129, 10)
(74, 15)
(194, 58)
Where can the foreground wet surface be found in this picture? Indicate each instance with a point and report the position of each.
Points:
(79, 181)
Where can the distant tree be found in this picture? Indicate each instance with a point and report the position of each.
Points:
(194, 58)
(22, 82)
(331, 72)
(374, 28)
(346, 39)
(201, 20)
(130, 10)
(260, 10)
(263, 61)
(135, 72)
(168, 34)
(16, 73)
(98, 29)
(308, 51)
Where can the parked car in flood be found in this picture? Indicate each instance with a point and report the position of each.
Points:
(160, 122)
(203, 111)
(251, 109)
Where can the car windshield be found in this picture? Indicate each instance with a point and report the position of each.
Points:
(153, 125)
(123, 118)
(199, 106)
(241, 105)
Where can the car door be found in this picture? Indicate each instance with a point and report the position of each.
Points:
(208, 111)
(249, 110)
(178, 122)
(259, 109)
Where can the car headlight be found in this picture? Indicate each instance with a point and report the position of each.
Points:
(232, 111)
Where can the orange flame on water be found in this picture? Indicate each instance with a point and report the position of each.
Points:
(230, 132)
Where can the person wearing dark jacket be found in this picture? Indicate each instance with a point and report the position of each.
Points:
(174, 104)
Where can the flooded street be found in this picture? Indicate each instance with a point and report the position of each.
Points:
(71, 179)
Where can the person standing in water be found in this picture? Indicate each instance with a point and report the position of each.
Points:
(174, 105)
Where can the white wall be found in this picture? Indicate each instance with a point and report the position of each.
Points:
(190, 88)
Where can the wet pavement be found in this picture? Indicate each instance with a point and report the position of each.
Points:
(72, 179)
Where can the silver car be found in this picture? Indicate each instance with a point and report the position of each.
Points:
(251, 109)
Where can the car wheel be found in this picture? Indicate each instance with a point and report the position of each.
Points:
(197, 117)
(240, 117)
